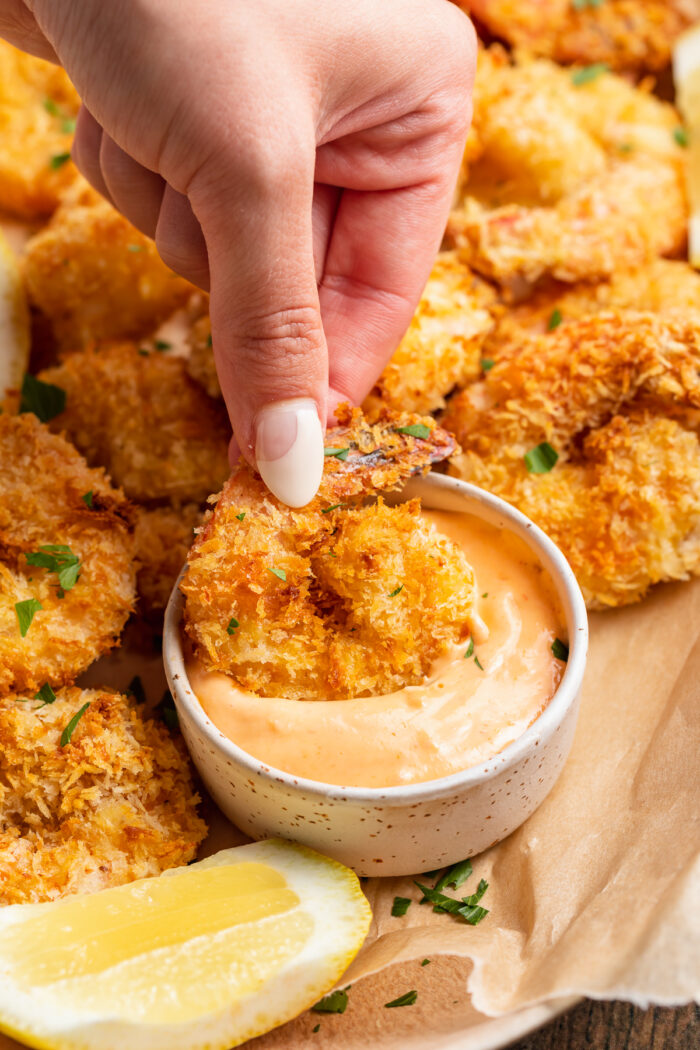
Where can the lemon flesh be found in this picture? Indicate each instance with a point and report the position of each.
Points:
(686, 75)
(14, 322)
(204, 956)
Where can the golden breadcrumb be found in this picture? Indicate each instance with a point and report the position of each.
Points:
(634, 35)
(42, 484)
(163, 537)
(442, 347)
(116, 803)
(617, 397)
(576, 178)
(38, 106)
(200, 362)
(141, 417)
(336, 599)
(95, 276)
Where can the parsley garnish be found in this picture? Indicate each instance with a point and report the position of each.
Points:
(474, 898)
(316, 1027)
(680, 136)
(579, 5)
(400, 905)
(560, 650)
(58, 161)
(45, 694)
(472, 914)
(397, 591)
(232, 625)
(455, 875)
(87, 499)
(160, 344)
(335, 1003)
(68, 125)
(487, 364)
(279, 573)
(407, 999)
(478, 663)
(588, 73)
(68, 731)
(58, 558)
(555, 319)
(541, 459)
(51, 107)
(143, 352)
(338, 453)
(135, 687)
(426, 962)
(134, 247)
(25, 613)
(209, 340)
(327, 510)
(43, 399)
(470, 649)
(416, 430)
(167, 711)
(241, 516)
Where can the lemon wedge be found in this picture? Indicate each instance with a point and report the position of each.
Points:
(14, 322)
(204, 956)
(686, 75)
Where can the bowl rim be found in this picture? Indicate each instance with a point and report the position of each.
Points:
(482, 504)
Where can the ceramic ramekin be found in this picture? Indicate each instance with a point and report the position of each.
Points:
(413, 828)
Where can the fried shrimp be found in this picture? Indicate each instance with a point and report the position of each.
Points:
(38, 106)
(112, 804)
(95, 276)
(141, 417)
(66, 550)
(634, 35)
(576, 179)
(337, 599)
(163, 536)
(616, 398)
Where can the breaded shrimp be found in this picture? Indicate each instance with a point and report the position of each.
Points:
(634, 35)
(57, 514)
(576, 179)
(95, 276)
(163, 536)
(38, 106)
(113, 804)
(616, 396)
(141, 417)
(336, 599)
(200, 361)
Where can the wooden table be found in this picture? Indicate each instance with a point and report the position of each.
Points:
(618, 1026)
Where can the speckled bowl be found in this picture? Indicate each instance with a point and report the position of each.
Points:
(408, 829)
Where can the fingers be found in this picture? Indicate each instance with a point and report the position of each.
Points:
(18, 25)
(269, 344)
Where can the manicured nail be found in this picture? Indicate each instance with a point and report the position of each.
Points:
(289, 450)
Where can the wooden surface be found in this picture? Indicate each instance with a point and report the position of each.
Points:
(618, 1026)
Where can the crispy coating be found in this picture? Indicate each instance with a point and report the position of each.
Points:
(330, 601)
(141, 417)
(95, 276)
(163, 536)
(38, 105)
(114, 804)
(200, 362)
(617, 396)
(442, 347)
(42, 483)
(574, 181)
(633, 35)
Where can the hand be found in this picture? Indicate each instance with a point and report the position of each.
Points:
(297, 157)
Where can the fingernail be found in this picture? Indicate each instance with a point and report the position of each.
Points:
(289, 450)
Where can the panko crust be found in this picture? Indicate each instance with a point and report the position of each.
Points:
(38, 105)
(617, 397)
(336, 599)
(95, 276)
(42, 483)
(626, 35)
(574, 181)
(200, 361)
(442, 347)
(115, 804)
(141, 417)
(163, 537)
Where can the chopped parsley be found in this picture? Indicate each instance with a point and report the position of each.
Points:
(487, 364)
(335, 1003)
(68, 125)
(143, 352)
(397, 591)
(485, 594)
(58, 160)
(25, 613)
(407, 999)
(316, 1027)
(161, 344)
(588, 73)
(579, 5)
(327, 510)
(474, 898)
(209, 340)
(560, 650)
(45, 694)
(240, 516)
(478, 663)
(455, 875)
(167, 711)
(279, 573)
(134, 247)
(555, 319)
(680, 136)
(400, 905)
(51, 107)
(43, 399)
(416, 430)
(541, 458)
(426, 962)
(338, 453)
(232, 625)
(70, 728)
(135, 688)
(58, 558)
(470, 649)
(471, 913)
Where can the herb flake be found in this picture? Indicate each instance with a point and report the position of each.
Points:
(470, 649)
(541, 458)
(337, 453)
(487, 364)
(70, 728)
(335, 1003)
(87, 499)
(241, 516)
(478, 663)
(560, 650)
(400, 906)
(397, 591)
(336, 506)
(455, 875)
(58, 160)
(162, 345)
(58, 558)
(43, 399)
(680, 137)
(25, 613)
(587, 74)
(555, 319)
(279, 573)
(407, 999)
(168, 712)
(416, 430)
(45, 694)
(232, 625)
(135, 688)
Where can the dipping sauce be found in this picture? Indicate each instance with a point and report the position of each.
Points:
(469, 710)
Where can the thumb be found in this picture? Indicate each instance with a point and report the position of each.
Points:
(268, 339)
